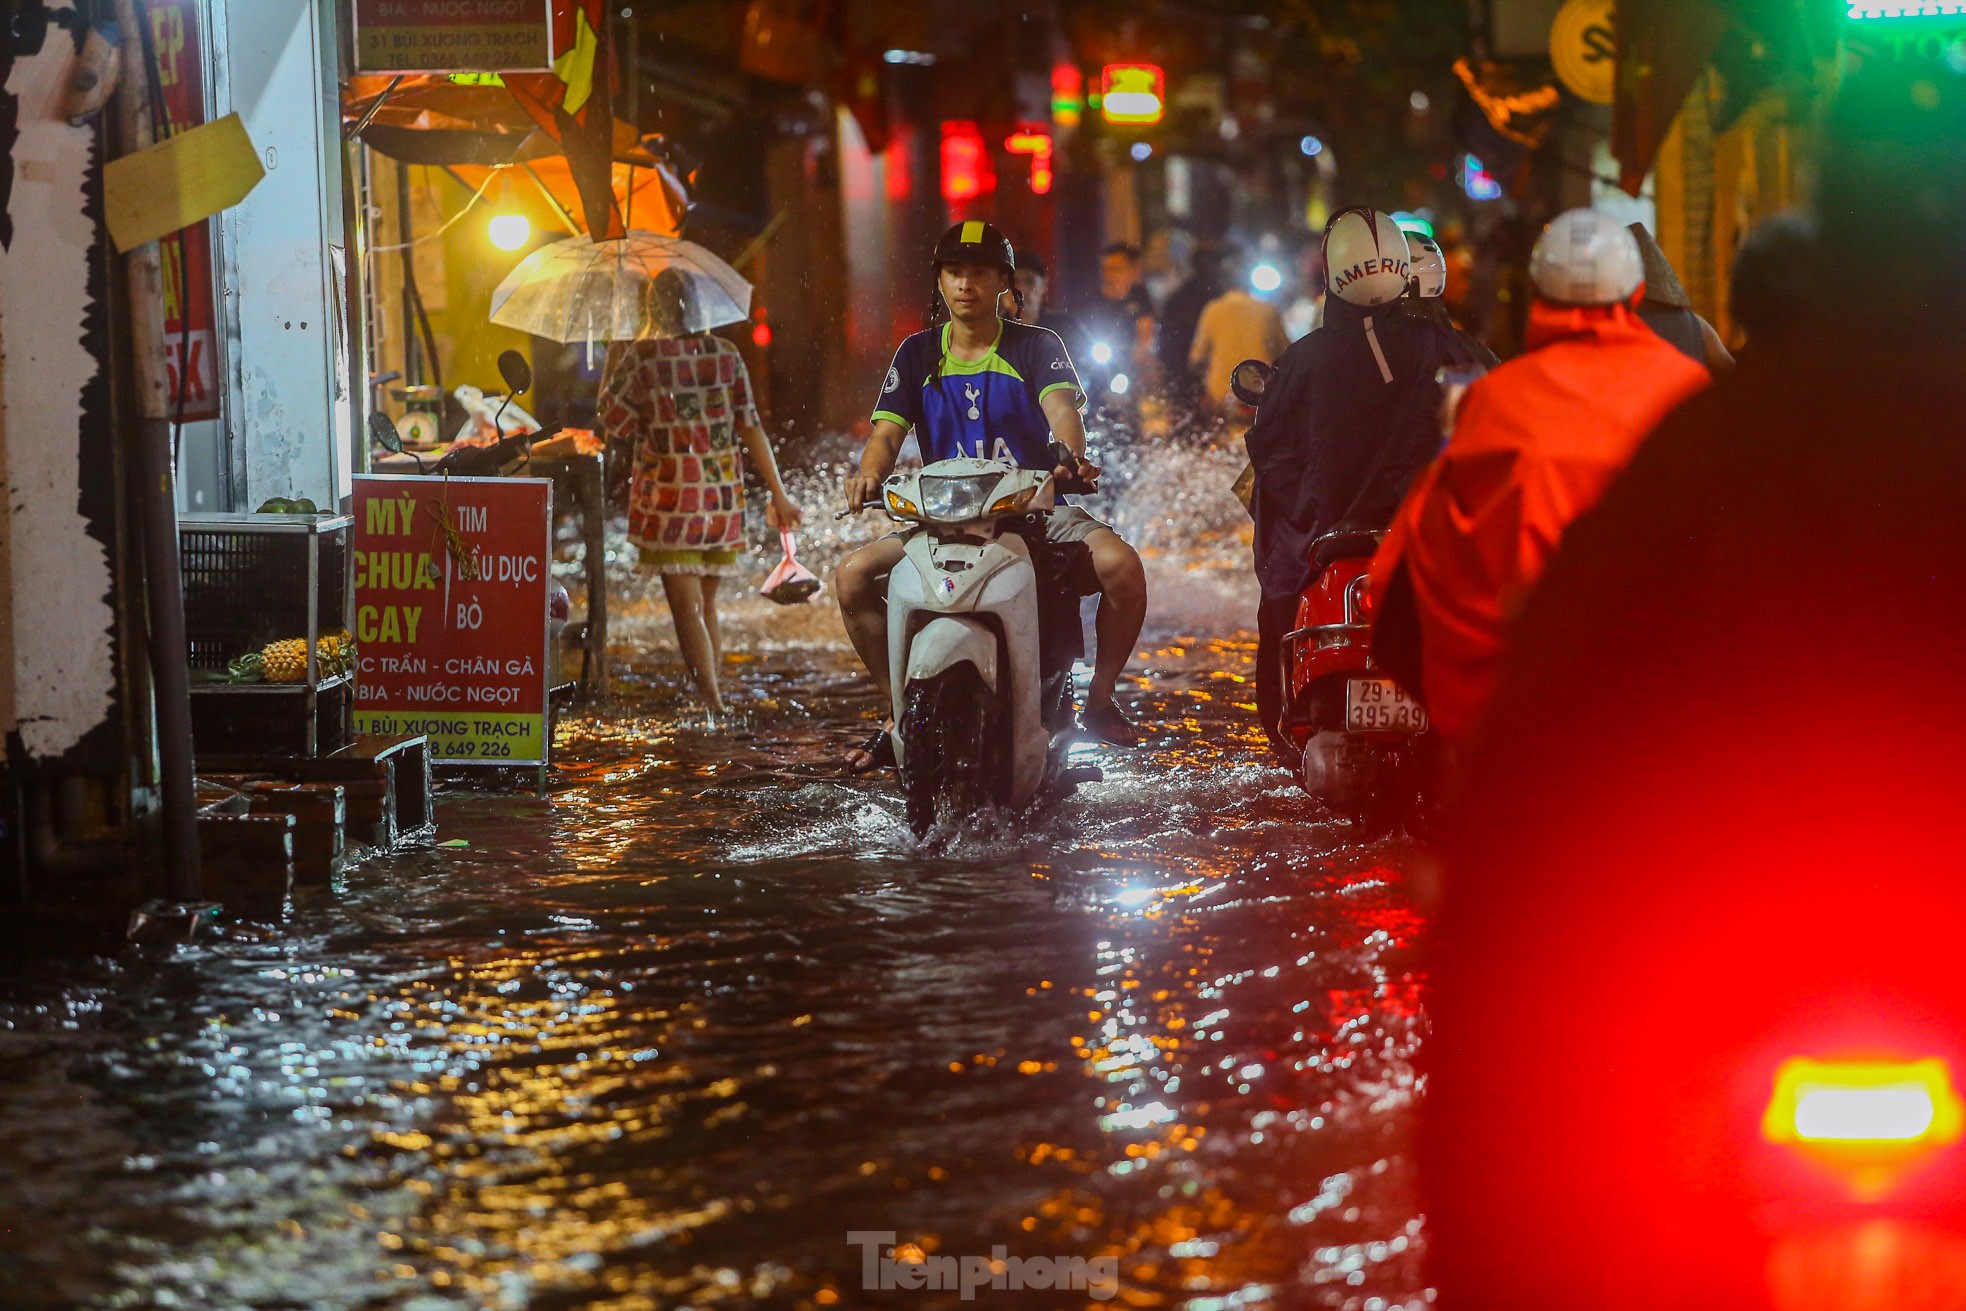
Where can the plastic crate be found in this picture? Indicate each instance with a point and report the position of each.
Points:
(250, 579)
(262, 722)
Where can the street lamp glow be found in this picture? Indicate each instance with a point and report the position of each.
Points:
(1120, 384)
(1265, 277)
(1311, 146)
(509, 231)
(1101, 353)
(1141, 152)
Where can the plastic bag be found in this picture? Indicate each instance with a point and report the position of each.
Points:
(791, 582)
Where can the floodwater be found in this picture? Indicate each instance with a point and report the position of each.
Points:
(704, 1026)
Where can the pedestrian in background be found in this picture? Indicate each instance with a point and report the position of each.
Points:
(1234, 327)
(680, 401)
(1123, 319)
(1033, 305)
(1181, 315)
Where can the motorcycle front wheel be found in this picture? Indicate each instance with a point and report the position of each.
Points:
(951, 746)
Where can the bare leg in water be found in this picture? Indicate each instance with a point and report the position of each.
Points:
(685, 596)
(860, 584)
(711, 622)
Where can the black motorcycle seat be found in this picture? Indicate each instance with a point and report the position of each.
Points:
(1344, 543)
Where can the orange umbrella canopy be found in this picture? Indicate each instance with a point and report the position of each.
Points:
(475, 127)
(649, 195)
(432, 102)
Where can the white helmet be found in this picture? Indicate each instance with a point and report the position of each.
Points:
(1585, 257)
(1365, 257)
(1429, 266)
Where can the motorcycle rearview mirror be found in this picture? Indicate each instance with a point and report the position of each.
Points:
(383, 433)
(512, 367)
(1249, 380)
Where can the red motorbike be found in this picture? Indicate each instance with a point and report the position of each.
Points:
(1364, 745)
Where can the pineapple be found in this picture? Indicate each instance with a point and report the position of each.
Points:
(286, 660)
(337, 652)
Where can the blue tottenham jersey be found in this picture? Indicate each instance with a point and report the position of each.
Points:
(988, 407)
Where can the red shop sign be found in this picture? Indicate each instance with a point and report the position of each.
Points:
(190, 346)
(450, 614)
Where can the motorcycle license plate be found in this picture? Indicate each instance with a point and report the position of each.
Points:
(1377, 705)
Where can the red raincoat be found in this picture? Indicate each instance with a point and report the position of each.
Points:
(1536, 444)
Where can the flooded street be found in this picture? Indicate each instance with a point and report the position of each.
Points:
(672, 1033)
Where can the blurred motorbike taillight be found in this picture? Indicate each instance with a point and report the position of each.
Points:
(1868, 1119)
(1359, 601)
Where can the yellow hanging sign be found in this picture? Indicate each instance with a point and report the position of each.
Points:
(1584, 48)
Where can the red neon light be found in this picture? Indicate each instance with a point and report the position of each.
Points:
(966, 170)
(1067, 94)
(761, 333)
(1031, 139)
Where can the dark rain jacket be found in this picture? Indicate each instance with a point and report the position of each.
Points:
(1350, 418)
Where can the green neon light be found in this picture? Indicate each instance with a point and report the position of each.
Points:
(1918, 9)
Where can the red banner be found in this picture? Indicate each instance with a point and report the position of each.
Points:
(189, 342)
(453, 36)
(450, 614)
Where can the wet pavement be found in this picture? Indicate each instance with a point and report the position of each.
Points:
(669, 1035)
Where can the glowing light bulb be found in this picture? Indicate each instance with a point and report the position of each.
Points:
(509, 231)
(1101, 353)
(1120, 384)
(1265, 277)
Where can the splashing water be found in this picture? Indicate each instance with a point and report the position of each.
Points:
(672, 1033)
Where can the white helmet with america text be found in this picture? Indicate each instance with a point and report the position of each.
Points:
(1366, 260)
(1429, 266)
(1585, 257)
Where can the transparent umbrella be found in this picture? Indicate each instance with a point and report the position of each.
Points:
(640, 285)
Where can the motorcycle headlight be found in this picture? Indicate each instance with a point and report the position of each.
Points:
(955, 499)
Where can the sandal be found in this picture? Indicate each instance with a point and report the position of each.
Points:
(1109, 724)
(877, 752)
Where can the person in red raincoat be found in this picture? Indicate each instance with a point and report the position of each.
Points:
(1535, 444)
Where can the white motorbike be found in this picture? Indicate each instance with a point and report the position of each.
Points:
(981, 642)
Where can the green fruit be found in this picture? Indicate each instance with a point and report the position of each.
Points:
(276, 505)
(303, 506)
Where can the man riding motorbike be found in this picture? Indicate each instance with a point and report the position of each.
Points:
(985, 387)
(1535, 444)
(1347, 421)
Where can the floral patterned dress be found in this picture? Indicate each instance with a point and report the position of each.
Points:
(680, 403)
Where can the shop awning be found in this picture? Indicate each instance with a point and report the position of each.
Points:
(471, 116)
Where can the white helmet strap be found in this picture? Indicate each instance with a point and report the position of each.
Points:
(1372, 340)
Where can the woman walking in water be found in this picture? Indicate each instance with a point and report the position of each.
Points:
(680, 402)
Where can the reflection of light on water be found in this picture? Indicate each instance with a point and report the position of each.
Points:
(1137, 1117)
(537, 1071)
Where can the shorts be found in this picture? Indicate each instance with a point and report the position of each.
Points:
(1068, 523)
